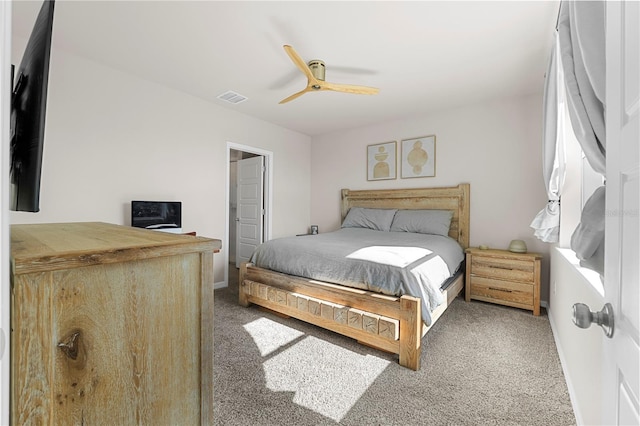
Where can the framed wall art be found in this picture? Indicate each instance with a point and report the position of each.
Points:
(381, 161)
(418, 157)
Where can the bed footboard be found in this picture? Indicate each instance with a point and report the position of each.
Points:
(393, 324)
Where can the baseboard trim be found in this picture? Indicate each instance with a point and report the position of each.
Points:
(220, 284)
(563, 364)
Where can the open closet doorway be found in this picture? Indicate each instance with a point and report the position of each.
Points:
(249, 204)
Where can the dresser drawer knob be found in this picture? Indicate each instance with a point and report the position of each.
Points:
(70, 345)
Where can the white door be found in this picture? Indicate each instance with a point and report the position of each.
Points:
(250, 207)
(621, 356)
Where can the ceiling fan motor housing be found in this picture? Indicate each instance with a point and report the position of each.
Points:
(317, 68)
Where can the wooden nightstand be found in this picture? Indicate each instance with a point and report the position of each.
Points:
(503, 277)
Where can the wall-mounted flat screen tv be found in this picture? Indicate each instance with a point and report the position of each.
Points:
(28, 111)
(163, 215)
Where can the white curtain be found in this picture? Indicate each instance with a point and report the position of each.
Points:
(547, 222)
(581, 33)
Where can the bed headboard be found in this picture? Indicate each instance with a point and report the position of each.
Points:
(454, 198)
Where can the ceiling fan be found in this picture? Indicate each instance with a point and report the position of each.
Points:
(314, 71)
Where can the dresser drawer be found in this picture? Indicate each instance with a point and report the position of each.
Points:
(508, 269)
(520, 294)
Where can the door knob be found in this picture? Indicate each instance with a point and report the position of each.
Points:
(583, 317)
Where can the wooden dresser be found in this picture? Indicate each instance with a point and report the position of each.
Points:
(503, 277)
(110, 325)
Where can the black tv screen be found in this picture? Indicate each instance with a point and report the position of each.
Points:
(28, 111)
(156, 214)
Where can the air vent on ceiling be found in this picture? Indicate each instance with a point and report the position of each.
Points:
(232, 97)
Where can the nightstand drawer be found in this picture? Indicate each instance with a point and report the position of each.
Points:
(489, 290)
(508, 269)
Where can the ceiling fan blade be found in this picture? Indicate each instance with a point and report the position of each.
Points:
(349, 88)
(314, 84)
(302, 65)
(294, 96)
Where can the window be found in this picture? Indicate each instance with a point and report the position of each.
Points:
(580, 183)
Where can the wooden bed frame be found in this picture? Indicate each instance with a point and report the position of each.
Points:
(393, 324)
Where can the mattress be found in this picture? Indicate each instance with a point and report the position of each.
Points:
(393, 263)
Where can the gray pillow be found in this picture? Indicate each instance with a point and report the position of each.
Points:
(377, 219)
(422, 221)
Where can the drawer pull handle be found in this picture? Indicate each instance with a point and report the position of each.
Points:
(501, 289)
(70, 345)
(501, 267)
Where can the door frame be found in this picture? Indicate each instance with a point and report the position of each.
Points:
(5, 300)
(268, 198)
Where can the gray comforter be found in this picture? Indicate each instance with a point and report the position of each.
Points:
(393, 263)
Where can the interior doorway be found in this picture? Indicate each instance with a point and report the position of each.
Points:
(238, 247)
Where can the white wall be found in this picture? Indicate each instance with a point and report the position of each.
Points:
(580, 350)
(112, 137)
(496, 147)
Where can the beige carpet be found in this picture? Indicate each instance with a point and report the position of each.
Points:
(482, 364)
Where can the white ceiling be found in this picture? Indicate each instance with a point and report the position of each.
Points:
(424, 56)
